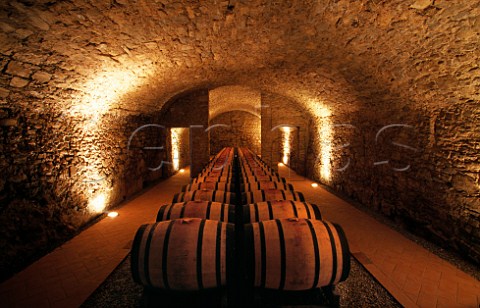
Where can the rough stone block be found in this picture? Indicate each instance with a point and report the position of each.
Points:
(4, 93)
(19, 82)
(23, 33)
(42, 77)
(18, 69)
(8, 122)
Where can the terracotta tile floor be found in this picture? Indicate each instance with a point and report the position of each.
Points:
(68, 275)
(413, 275)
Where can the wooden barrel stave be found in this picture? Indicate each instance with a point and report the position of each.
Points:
(280, 209)
(271, 195)
(262, 185)
(296, 254)
(197, 209)
(200, 258)
(205, 195)
(210, 185)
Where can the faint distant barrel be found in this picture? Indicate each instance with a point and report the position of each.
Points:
(267, 185)
(183, 254)
(271, 195)
(197, 209)
(257, 173)
(210, 185)
(295, 254)
(206, 195)
(280, 209)
(202, 179)
(259, 178)
(254, 168)
(220, 171)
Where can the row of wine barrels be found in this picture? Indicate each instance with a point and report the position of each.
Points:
(245, 180)
(212, 185)
(189, 246)
(255, 212)
(223, 159)
(223, 184)
(258, 178)
(283, 254)
(254, 166)
(296, 254)
(214, 179)
(183, 254)
(205, 195)
(250, 158)
(259, 185)
(197, 209)
(257, 173)
(225, 171)
(271, 195)
(280, 209)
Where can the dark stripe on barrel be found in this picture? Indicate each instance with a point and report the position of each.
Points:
(135, 253)
(263, 253)
(165, 254)
(345, 252)
(218, 271)
(147, 256)
(317, 254)
(334, 253)
(283, 255)
(199, 254)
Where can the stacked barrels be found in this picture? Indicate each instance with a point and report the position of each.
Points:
(189, 247)
(239, 225)
(287, 244)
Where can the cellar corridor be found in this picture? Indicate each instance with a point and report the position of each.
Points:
(370, 108)
(70, 274)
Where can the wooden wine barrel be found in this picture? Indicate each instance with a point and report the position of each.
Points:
(205, 195)
(296, 254)
(183, 254)
(271, 195)
(267, 185)
(210, 185)
(202, 179)
(217, 173)
(280, 209)
(247, 173)
(197, 209)
(250, 179)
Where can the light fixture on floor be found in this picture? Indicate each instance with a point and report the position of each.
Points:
(182, 170)
(314, 185)
(112, 214)
(281, 164)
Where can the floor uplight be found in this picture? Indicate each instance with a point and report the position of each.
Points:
(112, 214)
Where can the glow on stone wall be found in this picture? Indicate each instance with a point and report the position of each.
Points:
(175, 137)
(286, 144)
(100, 94)
(324, 130)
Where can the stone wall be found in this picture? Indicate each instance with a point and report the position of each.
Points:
(277, 112)
(244, 130)
(190, 110)
(183, 139)
(421, 171)
(110, 66)
(60, 171)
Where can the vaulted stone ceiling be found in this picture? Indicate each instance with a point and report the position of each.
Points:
(78, 77)
(229, 98)
(134, 55)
